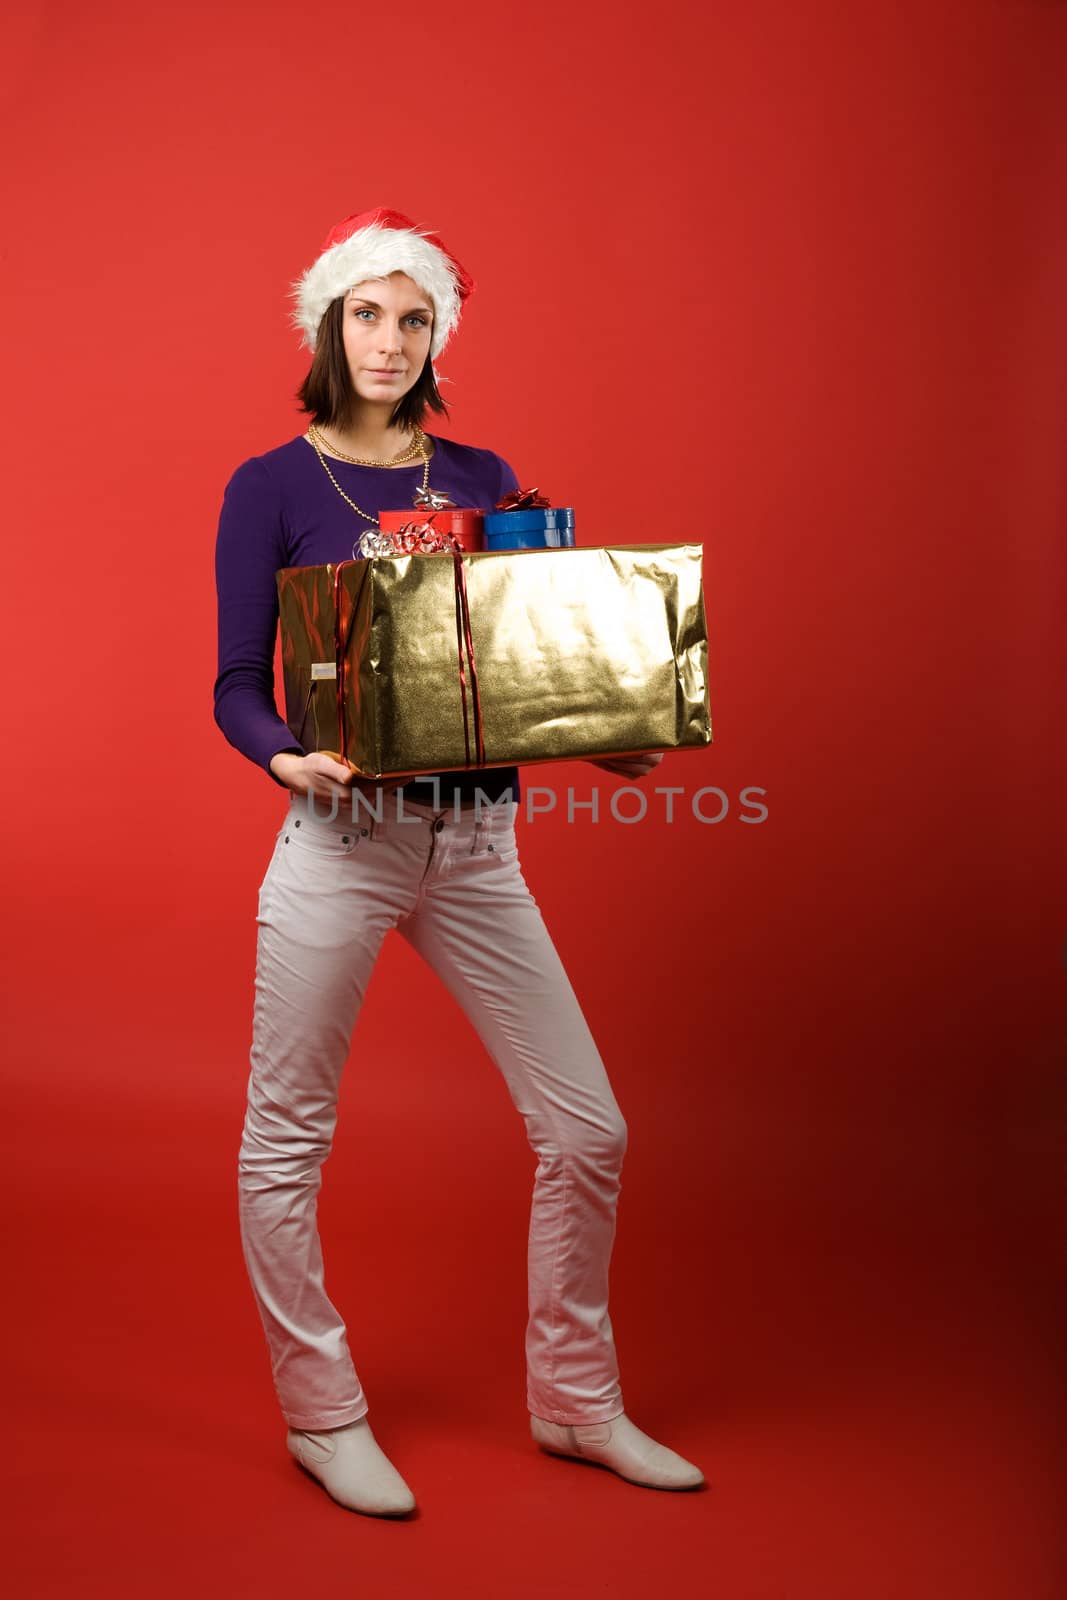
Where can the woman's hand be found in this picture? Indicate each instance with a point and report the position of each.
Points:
(325, 777)
(628, 766)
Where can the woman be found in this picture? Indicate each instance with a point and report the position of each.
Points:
(376, 308)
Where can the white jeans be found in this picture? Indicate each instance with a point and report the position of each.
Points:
(455, 890)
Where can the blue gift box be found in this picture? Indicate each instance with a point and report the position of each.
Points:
(547, 528)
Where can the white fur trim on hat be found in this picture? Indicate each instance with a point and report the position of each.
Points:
(374, 252)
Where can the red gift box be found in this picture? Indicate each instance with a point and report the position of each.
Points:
(463, 524)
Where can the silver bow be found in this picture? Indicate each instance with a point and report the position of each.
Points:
(375, 543)
(432, 500)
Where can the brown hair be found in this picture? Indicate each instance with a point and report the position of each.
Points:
(327, 391)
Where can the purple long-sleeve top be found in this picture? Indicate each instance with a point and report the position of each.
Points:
(281, 510)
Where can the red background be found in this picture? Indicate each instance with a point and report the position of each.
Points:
(786, 279)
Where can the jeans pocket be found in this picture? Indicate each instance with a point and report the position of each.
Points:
(328, 841)
(266, 887)
(504, 837)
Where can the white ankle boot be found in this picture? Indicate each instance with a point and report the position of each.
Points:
(352, 1468)
(620, 1445)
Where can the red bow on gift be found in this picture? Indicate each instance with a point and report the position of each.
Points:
(522, 500)
(422, 538)
(411, 539)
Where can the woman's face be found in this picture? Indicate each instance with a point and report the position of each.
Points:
(388, 324)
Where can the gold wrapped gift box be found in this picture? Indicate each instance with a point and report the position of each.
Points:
(435, 663)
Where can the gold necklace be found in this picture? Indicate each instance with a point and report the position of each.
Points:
(411, 453)
(359, 509)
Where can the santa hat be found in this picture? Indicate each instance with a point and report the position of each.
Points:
(371, 244)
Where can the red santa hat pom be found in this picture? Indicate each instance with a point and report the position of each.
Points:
(371, 244)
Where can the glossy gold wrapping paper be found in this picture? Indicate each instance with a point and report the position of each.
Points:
(583, 652)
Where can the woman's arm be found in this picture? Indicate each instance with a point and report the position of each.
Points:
(249, 550)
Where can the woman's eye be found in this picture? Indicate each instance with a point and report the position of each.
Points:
(419, 322)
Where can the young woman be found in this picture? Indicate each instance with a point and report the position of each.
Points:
(376, 308)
